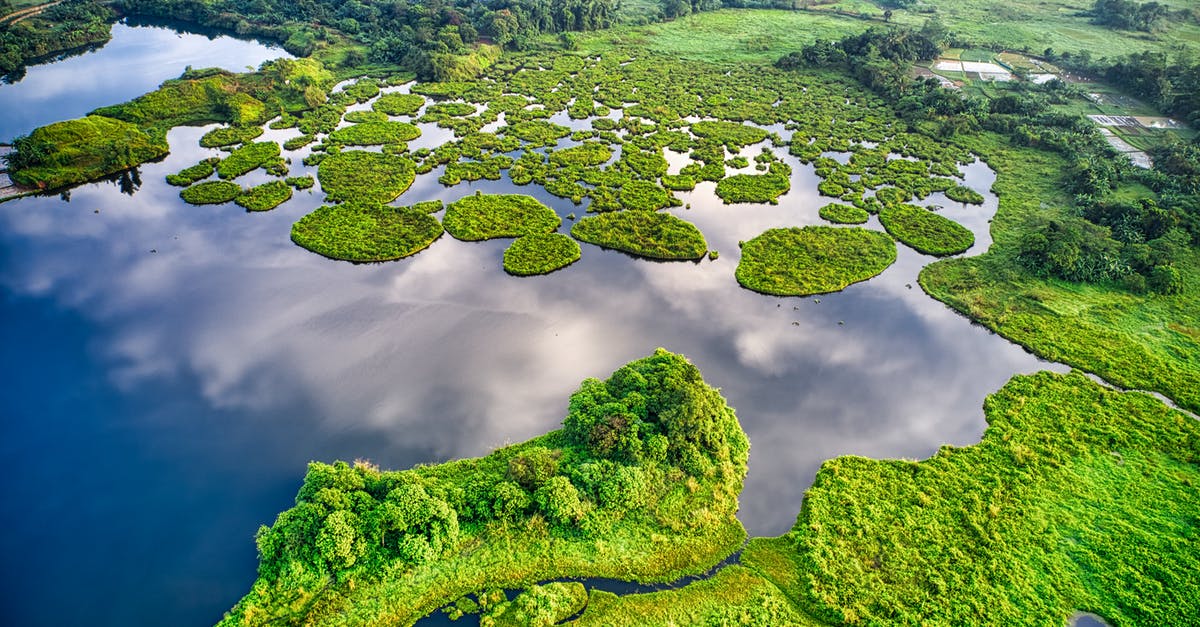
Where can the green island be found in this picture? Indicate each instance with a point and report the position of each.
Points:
(490, 216)
(364, 232)
(644, 234)
(813, 259)
(925, 231)
(1077, 498)
(540, 253)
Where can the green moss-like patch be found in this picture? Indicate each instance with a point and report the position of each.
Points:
(679, 182)
(586, 154)
(753, 188)
(643, 233)
(230, 135)
(489, 216)
(191, 174)
(843, 214)
(925, 231)
(813, 259)
(211, 193)
(296, 143)
(74, 151)
(365, 177)
(375, 134)
(366, 232)
(362, 117)
(301, 182)
(644, 196)
(398, 104)
(537, 132)
(541, 253)
(449, 110)
(732, 134)
(963, 194)
(247, 158)
(265, 197)
(428, 206)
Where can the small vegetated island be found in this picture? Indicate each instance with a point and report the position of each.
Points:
(813, 259)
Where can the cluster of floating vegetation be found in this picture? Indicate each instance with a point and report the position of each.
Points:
(925, 231)
(363, 232)
(813, 259)
(643, 233)
(540, 253)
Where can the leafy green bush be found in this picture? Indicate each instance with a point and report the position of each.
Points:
(74, 151)
(295, 143)
(813, 259)
(753, 188)
(586, 154)
(963, 194)
(643, 233)
(194, 173)
(540, 253)
(365, 177)
(537, 132)
(732, 134)
(300, 182)
(843, 214)
(210, 193)
(230, 135)
(925, 231)
(266, 196)
(399, 104)
(678, 183)
(247, 158)
(375, 134)
(362, 117)
(645, 196)
(361, 232)
(488, 216)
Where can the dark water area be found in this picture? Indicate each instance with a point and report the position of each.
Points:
(171, 369)
(140, 56)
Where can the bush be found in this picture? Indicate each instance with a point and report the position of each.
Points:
(843, 214)
(365, 177)
(266, 196)
(247, 158)
(541, 253)
(211, 193)
(399, 104)
(587, 154)
(925, 231)
(732, 134)
(645, 196)
(753, 188)
(230, 135)
(643, 233)
(813, 259)
(362, 233)
(489, 216)
(960, 193)
(190, 175)
(375, 134)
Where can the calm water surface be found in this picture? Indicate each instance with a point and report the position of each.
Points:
(171, 369)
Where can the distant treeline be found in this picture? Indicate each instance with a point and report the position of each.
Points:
(66, 26)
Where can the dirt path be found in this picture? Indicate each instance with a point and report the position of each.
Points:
(23, 14)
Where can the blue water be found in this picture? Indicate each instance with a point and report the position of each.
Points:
(169, 371)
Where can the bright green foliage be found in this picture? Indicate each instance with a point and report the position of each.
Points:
(247, 158)
(210, 193)
(296, 143)
(731, 134)
(645, 196)
(266, 196)
(488, 216)
(194, 173)
(363, 90)
(364, 546)
(230, 135)
(300, 182)
(843, 214)
(963, 194)
(1078, 497)
(679, 183)
(586, 154)
(365, 177)
(398, 104)
(360, 117)
(753, 188)
(813, 259)
(537, 132)
(359, 232)
(643, 233)
(428, 206)
(646, 164)
(444, 110)
(540, 253)
(925, 231)
(74, 151)
(375, 133)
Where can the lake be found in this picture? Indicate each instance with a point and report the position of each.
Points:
(171, 369)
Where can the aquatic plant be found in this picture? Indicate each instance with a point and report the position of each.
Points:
(489, 216)
(843, 214)
(398, 104)
(366, 232)
(540, 253)
(210, 193)
(643, 233)
(925, 231)
(753, 188)
(247, 158)
(813, 259)
(230, 135)
(375, 133)
(365, 177)
(194, 173)
(266, 196)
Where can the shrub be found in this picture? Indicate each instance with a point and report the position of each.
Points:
(644, 196)
(230, 135)
(925, 231)
(540, 253)
(398, 104)
(361, 233)
(843, 214)
(488, 216)
(732, 134)
(365, 177)
(586, 154)
(247, 158)
(191, 174)
(210, 193)
(813, 259)
(643, 233)
(753, 188)
(266, 196)
(375, 133)
(963, 194)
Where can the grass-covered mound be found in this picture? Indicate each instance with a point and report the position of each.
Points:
(925, 231)
(813, 259)
(843, 214)
(1078, 498)
(75, 151)
(398, 104)
(230, 135)
(489, 216)
(265, 197)
(753, 188)
(586, 154)
(211, 193)
(732, 134)
(248, 158)
(361, 232)
(643, 233)
(540, 253)
(365, 177)
(640, 484)
(194, 173)
(375, 133)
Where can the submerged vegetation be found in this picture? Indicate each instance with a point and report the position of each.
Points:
(540, 253)
(365, 232)
(813, 259)
(643, 233)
